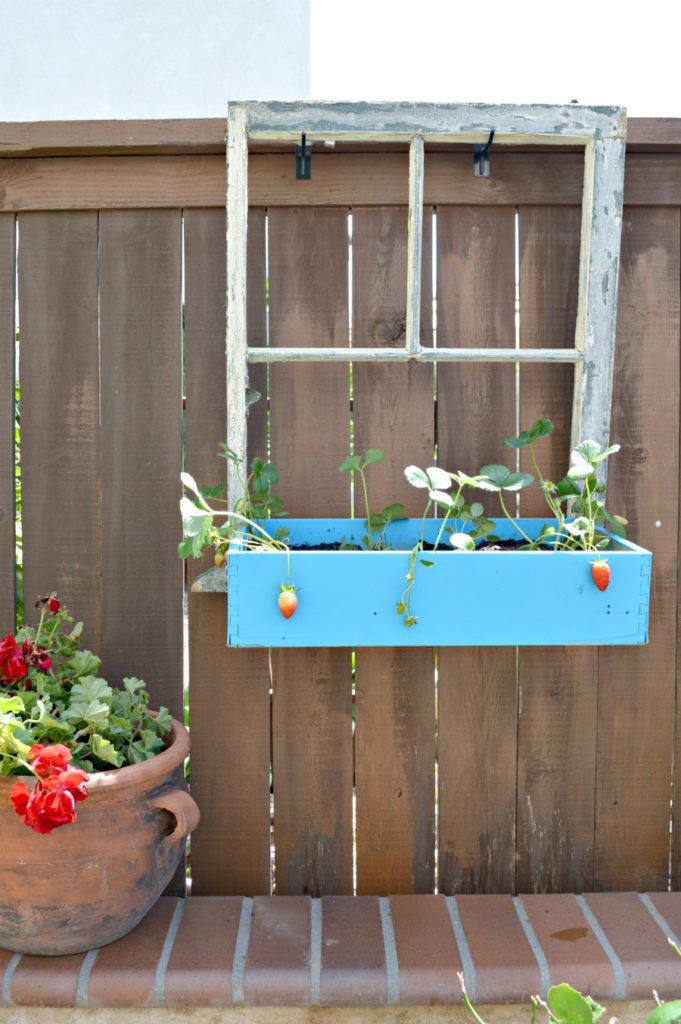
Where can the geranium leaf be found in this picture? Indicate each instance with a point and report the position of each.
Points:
(105, 750)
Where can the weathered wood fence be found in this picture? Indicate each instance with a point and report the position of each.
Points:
(476, 770)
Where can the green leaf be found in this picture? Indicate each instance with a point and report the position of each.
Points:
(215, 491)
(373, 455)
(417, 478)
(256, 466)
(353, 462)
(191, 485)
(608, 451)
(587, 450)
(105, 750)
(466, 481)
(500, 478)
(597, 1010)
(394, 511)
(271, 474)
(91, 689)
(578, 527)
(579, 469)
(196, 522)
(425, 561)
(541, 428)
(568, 1006)
(567, 488)
(227, 453)
(84, 663)
(401, 608)
(376, 522)
(133, 685)
(185, 548)
(441, 498)
(477, 510)
(667, 1013)
(8, 704)
(275, 505)
(440, 479)
(259, 484)
(163, 721)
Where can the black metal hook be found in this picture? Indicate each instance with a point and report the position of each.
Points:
(481, 158)
(303, 160)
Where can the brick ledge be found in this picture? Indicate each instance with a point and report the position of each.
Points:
(354, 952)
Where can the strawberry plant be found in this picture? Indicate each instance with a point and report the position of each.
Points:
(376, 522)
(576, 503)
(438, 482)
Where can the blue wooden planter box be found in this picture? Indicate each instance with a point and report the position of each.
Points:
(348, 598)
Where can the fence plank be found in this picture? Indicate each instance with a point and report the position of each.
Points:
(229, 689)
(477, 687)
(636, 703)
(60, 414)
(141, 366)
(558, 686)
(339, 179)
(198, 133)
(230, 761)
(7, 379)
(395, 723)
(309, 411)
(205, 385)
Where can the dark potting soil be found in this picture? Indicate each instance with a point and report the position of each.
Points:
(502, 545)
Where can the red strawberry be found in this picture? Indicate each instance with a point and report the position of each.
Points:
(287, 601)
(600, 573)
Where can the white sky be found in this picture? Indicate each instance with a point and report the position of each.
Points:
(496, 51)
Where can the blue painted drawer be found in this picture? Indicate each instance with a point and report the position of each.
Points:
(348, 598)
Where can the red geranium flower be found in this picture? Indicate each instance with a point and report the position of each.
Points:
(36, 655)
(19, 795)
(45, 809)
(52, 803)
(12, 663)
(48, 761)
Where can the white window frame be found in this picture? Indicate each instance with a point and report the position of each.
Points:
(600, 130)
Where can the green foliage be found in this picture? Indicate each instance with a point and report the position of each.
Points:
(575, 502)
(204, 526)
(463, 523)
(376, 522)
(666, 1013)
(69, 703)
(567, 1006)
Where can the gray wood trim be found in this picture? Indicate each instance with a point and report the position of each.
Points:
(414, 244)
(237, 236)
(471, 122)
(599, 272)
(425, 355)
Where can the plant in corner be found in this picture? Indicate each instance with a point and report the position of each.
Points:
(242, 527)
(93, 805)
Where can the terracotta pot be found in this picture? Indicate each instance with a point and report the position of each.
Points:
(91, 882)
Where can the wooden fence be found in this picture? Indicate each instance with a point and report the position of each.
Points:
(476, 770)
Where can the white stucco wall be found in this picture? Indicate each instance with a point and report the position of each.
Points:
(149, 58)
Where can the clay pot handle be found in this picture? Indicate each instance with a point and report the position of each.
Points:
(179, 803)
